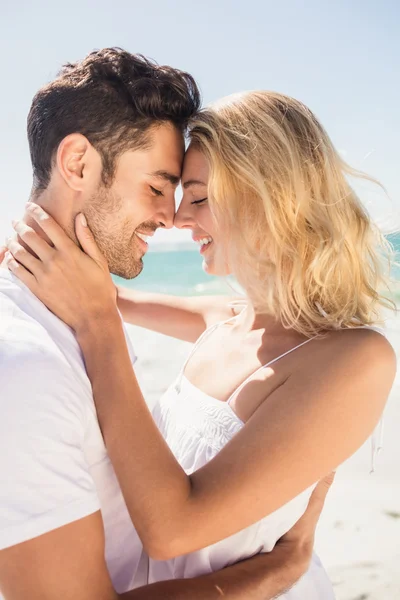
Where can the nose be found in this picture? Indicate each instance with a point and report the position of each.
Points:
(166, 215)
(184, 217)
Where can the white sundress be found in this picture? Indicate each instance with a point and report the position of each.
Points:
(196, 427)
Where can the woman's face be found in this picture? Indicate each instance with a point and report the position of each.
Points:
(194, 213)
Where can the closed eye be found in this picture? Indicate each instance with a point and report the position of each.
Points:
(156, 192)
(199, 201)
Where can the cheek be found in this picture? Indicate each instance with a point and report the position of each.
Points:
(136, 205)
(215, 263)
(206, 220)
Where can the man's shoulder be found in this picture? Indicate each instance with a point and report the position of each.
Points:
(39, 385)
(37, 358)
(29, 333)
(28, 327)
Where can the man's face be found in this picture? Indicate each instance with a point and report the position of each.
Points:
(140, 199)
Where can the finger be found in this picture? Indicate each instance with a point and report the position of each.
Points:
(87, 241)
(321, 490)
(32, 240)
(25, 258)
(3, 251)
(19, 271)
(304, 529)
(318, 497)
(51, 228)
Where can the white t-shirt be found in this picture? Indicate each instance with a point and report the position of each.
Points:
(54, 468)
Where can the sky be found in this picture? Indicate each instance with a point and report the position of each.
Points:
(341, 58)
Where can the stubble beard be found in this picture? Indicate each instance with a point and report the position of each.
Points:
(116, 240)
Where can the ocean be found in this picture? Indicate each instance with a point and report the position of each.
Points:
(176, 272)
(180, 272)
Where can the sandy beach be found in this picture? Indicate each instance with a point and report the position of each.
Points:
(358, 539)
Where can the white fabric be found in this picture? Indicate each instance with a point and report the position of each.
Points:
(196, 427)
(53, 463)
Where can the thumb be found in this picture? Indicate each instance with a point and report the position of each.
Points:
(86, 239)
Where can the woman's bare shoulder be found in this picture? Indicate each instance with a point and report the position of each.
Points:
(361, 356)
(365, 343)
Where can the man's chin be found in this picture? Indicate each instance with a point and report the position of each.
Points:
(128, 272)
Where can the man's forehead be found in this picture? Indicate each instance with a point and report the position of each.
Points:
(171, 177)
(165, 138)
(165, 160)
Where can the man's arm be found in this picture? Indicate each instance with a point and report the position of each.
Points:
(263, 577)
(51, 531)
(68, 563)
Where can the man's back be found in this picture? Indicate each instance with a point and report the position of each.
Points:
(55, 468)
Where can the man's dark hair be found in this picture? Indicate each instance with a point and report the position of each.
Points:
(112, 97)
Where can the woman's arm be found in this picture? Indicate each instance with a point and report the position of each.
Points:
(262, 577)
(69, 562)
(306, 427)
(184, 318)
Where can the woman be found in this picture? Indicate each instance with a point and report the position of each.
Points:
(273, 396)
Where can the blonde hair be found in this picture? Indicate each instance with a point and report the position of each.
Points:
(301, 243)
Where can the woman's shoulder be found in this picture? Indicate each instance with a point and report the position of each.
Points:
(367, 340)
(351, 352)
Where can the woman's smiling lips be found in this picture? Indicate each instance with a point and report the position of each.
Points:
(204, 242)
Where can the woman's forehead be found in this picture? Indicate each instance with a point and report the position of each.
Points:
(195, 167)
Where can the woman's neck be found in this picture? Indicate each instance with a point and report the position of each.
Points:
(251, 320)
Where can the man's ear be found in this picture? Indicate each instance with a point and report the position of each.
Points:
(77, 161)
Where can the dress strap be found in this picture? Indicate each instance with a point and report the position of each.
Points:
(197, 343)
(271, 362)
(377, 443)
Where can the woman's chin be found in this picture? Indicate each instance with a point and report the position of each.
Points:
(208, 267)
(211, 268)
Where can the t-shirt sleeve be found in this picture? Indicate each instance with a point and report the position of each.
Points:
(45, 481)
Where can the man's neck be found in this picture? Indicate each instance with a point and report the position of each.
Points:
(59, 206)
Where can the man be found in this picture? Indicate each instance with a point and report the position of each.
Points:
(107, 139)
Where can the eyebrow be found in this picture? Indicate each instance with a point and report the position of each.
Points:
(191, 182)
(174, 179)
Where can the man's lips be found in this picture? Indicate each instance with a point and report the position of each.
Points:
(142, 237)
